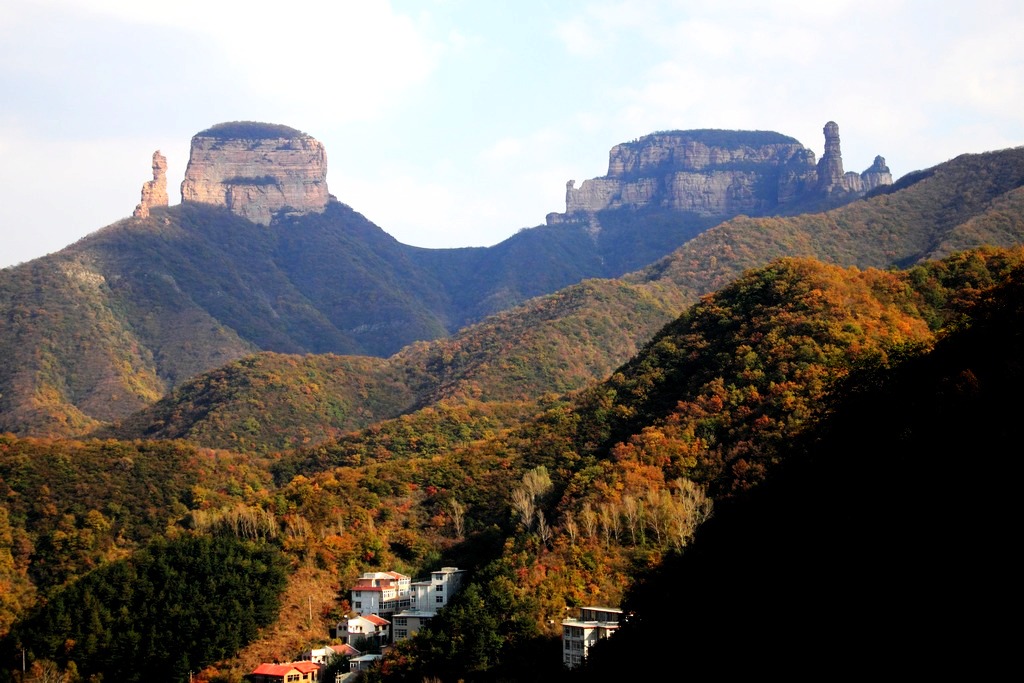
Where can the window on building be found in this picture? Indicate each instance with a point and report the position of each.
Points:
(358, 605)
(401, 621)
(440, 598)
(439, 588)
(401, 633)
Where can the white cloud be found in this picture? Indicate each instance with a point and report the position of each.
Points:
(503, 150)
(578, 37)
(354, 59)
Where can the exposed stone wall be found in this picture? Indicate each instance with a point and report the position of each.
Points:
(257, 178)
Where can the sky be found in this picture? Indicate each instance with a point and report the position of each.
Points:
(453, 123)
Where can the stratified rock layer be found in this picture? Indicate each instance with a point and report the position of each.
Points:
(257, 170)
(154, 192)
(718, 173)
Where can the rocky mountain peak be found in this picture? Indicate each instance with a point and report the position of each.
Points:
(257, 170)
(831, 177)
(718, 173)
(154, 192)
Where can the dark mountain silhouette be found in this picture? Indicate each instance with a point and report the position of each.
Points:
(879, 542)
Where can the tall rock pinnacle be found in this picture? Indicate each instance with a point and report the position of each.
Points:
(830, 168)
(257, 170)
(154, 192)
(832, 179)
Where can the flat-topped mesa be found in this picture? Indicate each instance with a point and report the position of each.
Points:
(257, 170)
(708, 172)
(718, 173)
(154, 192)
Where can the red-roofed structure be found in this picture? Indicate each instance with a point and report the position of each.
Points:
(290, 672)
(377, 592)
(370, 627)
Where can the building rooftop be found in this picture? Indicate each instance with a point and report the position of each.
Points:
(282, 669)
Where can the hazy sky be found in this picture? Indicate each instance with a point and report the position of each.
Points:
(457, 122)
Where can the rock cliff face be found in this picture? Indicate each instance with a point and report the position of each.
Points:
(717, 172)
(154, 192)
(257, 170)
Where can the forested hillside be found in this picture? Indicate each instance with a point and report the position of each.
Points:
(212, 428)
(110, 324)
(114, 322)
(562, 342)
(567, 501)
(886, 525)
(551, 344)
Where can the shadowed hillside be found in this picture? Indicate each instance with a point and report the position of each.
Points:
(882, 540)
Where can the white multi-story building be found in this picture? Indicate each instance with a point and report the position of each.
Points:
(380, 592)
(432, 594)
(428, 596)
(368, 627)
(579, 635)
(408, 622)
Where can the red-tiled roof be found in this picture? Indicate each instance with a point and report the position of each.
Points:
(283, 669)
(272, 669)
(374, 619)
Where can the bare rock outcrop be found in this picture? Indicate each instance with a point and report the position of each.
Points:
(708, 172)
(877, 175)
(154, 192)
(832, 179)
(718, 173)
(257, 170)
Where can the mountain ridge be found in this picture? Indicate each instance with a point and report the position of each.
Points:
(127, 313)
(564, 341)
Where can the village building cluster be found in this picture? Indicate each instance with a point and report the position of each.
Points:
(388, 607)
